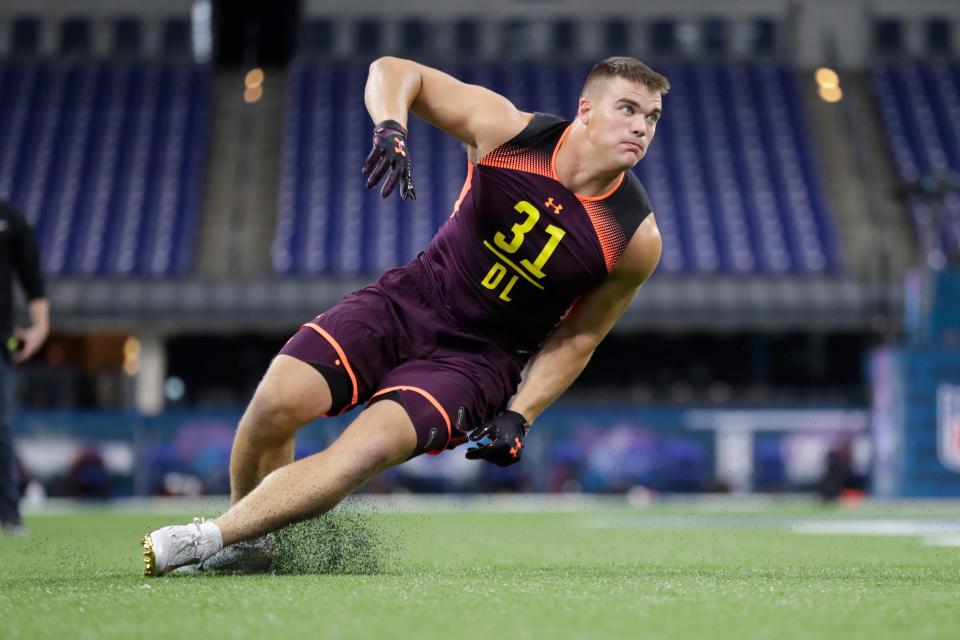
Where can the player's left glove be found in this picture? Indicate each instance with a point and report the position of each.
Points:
(500, 441)
(391, 157)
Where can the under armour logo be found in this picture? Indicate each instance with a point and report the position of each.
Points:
(556, 207)
(515, 450)
(399, 148)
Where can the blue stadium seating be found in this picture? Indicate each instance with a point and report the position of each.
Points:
(732, 175)
(105, 159)
(920, 105)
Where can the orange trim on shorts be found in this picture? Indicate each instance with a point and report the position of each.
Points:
(467, 183)
(343, 357)
(553, 170)
(433, 401)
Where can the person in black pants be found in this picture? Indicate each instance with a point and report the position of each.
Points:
(19, 258)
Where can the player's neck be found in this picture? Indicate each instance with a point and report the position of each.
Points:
(576, 172)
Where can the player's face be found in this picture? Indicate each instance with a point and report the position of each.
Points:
(622, 121)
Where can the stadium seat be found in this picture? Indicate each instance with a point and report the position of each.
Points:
(117, 191)
(920, 106)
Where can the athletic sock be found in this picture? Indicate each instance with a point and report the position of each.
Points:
(211, 540)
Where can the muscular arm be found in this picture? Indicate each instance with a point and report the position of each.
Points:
(478, 117)
(569, 348)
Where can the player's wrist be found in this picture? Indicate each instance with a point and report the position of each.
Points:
(391, 124)
(523, 414)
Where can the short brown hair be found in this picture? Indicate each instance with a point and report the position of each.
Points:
(629, 68)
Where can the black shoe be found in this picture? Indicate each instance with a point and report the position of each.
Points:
(15, 529)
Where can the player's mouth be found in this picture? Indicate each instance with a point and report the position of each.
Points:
(633, 146)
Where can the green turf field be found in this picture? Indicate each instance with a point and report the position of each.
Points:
(721, 571)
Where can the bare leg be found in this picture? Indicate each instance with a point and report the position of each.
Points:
(381, 437)
(291, 394)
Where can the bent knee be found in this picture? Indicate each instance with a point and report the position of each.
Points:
(380, 438)
(380, 455)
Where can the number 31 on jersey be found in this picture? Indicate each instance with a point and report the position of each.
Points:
(504, 247)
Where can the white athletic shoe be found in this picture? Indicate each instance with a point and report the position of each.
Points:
(170, 548)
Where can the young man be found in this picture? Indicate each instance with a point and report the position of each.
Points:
(548, 243)
(19, 260)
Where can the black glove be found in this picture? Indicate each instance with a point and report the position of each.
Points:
(502, 439)
(391, 157)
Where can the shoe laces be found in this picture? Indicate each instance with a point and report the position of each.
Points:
(194, 540)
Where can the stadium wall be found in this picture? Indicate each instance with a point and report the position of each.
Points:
(838, 32)
(594, 448)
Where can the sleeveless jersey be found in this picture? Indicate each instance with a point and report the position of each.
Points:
(520, 248)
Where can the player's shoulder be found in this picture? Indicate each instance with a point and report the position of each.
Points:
(544, 129)
(632, 196)
(629, 205)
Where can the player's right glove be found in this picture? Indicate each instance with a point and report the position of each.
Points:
(390, 157)
(500, 441)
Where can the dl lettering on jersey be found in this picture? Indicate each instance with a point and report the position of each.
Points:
(948, 426)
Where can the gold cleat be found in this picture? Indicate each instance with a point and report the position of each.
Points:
(149, 557)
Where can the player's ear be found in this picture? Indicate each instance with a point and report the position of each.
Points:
(584, 111)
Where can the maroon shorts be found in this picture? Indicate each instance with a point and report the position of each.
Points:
(394, 340)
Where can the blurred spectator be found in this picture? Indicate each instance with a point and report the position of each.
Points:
(19, 258)
(839, 475)
(88, 476)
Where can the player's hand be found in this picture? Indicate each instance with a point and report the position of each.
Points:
(29, 339)
(500, 441)
(390, 157)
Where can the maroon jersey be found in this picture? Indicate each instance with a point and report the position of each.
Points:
(520, 247)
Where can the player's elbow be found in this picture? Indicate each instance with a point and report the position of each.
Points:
(389, 64)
